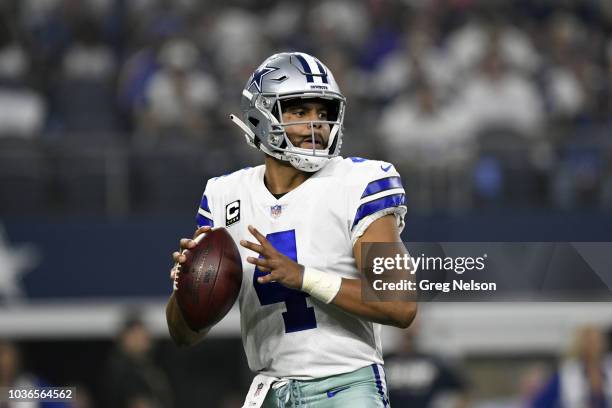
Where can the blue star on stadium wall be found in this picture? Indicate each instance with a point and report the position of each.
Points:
(258, 76)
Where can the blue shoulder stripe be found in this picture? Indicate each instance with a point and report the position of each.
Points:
(393, 200)
(204, 204)
(204, 221)
(383, 184)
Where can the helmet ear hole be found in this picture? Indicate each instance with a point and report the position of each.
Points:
(253, 121)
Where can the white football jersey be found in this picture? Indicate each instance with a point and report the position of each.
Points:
(285, 332)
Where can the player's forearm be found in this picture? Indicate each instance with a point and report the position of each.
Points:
(179, 330)
(398, 313)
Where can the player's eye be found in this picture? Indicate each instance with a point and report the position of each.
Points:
(323, 115)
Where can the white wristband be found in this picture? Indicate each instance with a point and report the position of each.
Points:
(321, 285)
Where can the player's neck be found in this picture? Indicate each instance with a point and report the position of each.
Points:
(281, 177)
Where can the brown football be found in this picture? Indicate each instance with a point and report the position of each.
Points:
(209, 280)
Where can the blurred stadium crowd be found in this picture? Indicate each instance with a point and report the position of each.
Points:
(120, 107)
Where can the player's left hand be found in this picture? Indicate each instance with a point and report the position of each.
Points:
(282, 269)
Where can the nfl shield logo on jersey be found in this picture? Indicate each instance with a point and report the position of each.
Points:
(258, 390)
(276, 210)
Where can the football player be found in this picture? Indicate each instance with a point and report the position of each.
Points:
(300, 219)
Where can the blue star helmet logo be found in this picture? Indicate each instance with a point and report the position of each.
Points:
(258, 76)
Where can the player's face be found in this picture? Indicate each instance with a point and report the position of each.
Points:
(301, 134)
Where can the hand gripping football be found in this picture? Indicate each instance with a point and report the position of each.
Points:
(209, 279)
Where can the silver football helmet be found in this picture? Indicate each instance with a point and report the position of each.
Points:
(283, 77)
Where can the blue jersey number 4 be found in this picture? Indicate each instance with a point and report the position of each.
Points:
(299, 316)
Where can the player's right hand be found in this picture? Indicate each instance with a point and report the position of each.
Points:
(178, 257)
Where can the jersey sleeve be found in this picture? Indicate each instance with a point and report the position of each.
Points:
(204, 216)
(378, 191)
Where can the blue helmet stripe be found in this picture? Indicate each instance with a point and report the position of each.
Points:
(394, 200)
(383, 184)
(322, 71)
(306, 67)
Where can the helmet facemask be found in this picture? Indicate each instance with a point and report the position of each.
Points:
(328, 148)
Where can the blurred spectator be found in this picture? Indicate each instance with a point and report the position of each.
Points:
(528, 385)
(500, 98)
(10, 366)
(83, 397)
(584, 376)
(13, 376)
(141, 63)
(84, 94)
(418, 58)
(45, 26)
(132, 379)
(469, 44)
(338, 24)
(432, 146)
(178, 95)
(22, 109)
(420, 129)
(281, 22)
(579, 172)
(420, 380)
(565, 94)
(242, 35)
